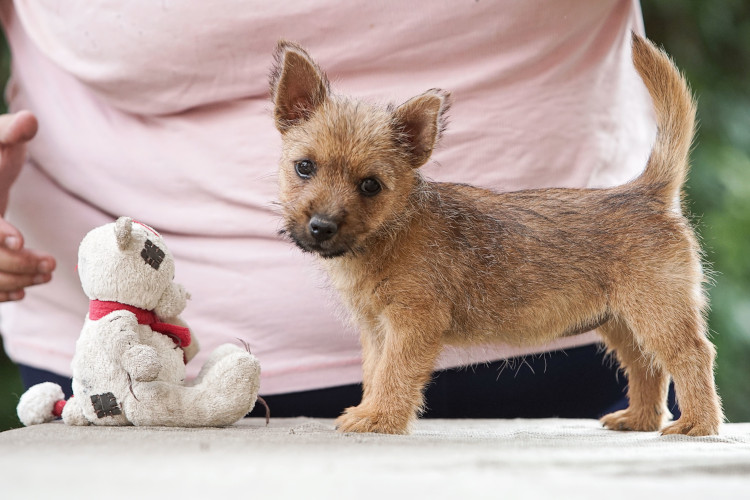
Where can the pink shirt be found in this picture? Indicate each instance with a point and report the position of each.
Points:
(160, 111)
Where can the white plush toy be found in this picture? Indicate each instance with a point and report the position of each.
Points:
(129, 365)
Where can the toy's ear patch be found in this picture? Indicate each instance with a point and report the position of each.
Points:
(152, 254)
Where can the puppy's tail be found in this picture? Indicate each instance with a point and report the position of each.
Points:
(667, 166)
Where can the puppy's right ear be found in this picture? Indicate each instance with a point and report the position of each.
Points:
(298, 86)
(420, 122)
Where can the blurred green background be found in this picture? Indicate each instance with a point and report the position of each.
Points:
(710, 41)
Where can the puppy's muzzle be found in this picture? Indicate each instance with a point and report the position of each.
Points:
(322, 228)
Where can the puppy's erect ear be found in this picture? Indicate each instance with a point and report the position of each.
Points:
(298, 86)
(420, 122)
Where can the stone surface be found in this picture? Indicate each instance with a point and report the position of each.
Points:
(306, 458)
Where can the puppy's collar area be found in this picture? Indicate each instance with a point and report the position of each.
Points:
(179, 334)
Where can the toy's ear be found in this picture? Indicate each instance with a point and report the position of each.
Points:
(298, 85)
(420, 122)
(123, 232)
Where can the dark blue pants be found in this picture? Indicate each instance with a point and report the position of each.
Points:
(575, 383)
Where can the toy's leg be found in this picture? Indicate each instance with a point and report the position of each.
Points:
(217, 354)
(73, 412)
(226, 393)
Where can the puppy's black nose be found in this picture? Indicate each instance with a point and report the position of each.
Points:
(322, 228)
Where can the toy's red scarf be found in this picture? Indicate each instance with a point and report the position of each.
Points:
(179, 334)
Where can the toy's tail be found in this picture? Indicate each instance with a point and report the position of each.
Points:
(667, 166)
(41, 403)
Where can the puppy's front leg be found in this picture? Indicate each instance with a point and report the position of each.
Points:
(372, 348)
(393, 393)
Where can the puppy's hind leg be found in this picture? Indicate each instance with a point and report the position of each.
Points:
(673, 333)
(691, 362)
(647, 382)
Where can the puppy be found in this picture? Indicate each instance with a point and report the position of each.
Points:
(421, 264)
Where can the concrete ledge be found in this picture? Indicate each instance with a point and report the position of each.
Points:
(306, 458)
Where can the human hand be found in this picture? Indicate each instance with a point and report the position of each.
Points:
(19, 267)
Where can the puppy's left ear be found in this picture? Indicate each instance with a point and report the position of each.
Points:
(420, 122)
(298, 86)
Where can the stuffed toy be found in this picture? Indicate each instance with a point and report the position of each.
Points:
(129, 365)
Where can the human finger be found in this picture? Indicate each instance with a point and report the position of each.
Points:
(12, 295)
(17, 128)
(10, 282)
(10, 237)
(25, 261)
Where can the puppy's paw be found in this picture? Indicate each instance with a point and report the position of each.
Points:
(363, 419)
(691, 427)
(633, 420)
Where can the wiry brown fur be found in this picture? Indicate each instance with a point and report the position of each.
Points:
(422, 263)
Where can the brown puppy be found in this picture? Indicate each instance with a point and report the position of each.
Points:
(421, 264)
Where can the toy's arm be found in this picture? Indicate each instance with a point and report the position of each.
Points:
(192, 349)
(170, 305)
(116, 332)
(142, 363)
(139, 360)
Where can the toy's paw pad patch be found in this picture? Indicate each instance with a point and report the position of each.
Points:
(105, 405)
(152, 254)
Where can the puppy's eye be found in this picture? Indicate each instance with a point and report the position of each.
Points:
(370, 187)
(304, 168)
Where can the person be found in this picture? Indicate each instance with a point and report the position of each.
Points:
(160, 111)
